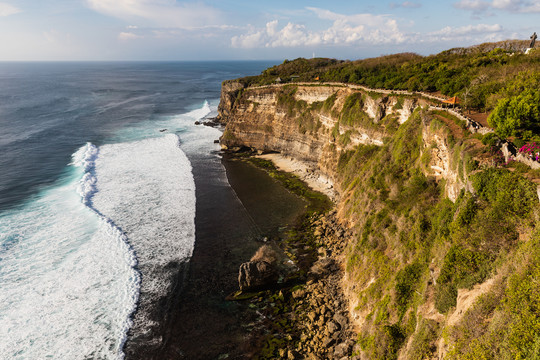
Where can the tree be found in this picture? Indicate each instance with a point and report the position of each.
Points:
(518, 113)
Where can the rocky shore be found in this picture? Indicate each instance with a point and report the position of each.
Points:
(307, 317)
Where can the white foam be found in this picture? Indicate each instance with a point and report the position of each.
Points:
(67, 283)
(67, 280)
(198, 139)
(148, 189)
(200, 113)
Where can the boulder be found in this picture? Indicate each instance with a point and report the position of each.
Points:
(341, 320)
(342, 350)
(256, 275)
(322, 266)
(333, 327)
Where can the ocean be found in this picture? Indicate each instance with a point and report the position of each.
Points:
(98, 197)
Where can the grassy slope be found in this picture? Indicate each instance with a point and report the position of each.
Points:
(406, 227)
(413, 245)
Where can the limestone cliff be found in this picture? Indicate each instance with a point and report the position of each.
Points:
(434, 222)
(311, 123)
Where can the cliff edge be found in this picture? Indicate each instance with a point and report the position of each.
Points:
(440, 230)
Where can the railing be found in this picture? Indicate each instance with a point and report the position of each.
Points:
(509, 151)
(472, 125)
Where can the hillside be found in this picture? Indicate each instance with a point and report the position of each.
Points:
(442, 252)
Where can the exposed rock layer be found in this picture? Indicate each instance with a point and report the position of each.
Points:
(309, 123)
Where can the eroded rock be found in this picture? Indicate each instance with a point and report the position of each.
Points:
(255, 275)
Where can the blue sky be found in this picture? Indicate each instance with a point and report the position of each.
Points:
(33, 30)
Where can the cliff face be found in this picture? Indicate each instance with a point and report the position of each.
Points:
(303, 122)
(429, 213)
(306, 122)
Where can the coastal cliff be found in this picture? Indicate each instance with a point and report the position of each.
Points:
(310, 123)
(433, 222)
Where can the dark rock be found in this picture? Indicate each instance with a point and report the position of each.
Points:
(256, 275)
(333, 327)
(322, 267)
(328, 342)
(216, 141)
(341, 320)
(342, 350)
(197, 123)
(292, 355)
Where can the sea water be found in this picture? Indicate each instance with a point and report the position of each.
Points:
(97, 197)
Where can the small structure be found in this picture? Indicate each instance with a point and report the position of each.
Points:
(533, 41)
(452, 101)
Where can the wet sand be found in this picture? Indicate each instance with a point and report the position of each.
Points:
(202, 324)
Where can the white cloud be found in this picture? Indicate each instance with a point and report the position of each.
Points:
(345, 30)
(466, 34)
(406, 4)
(160, 13)
(125, 36)
(519, 6)
(8, 9)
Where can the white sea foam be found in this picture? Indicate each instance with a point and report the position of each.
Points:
(199, 113)
(147, 188)
(67, 283)
(198, 140)
(67, 280)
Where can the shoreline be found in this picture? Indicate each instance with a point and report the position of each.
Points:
(305, 172)
(308, 317)
(229, 229)
(235, 216)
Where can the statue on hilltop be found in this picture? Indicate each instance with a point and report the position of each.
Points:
(533, 40)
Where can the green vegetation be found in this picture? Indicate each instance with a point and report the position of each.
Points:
(398, 210)
(517, 112)
(407, 280)
(352, 113)
(487, 77)
(317, 202)
(423, 343)
(503, 324)
(413, 245)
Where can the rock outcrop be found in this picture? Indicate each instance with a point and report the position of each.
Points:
(256, 275)
(264, 269)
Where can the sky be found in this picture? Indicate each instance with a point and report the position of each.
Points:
(174, 30)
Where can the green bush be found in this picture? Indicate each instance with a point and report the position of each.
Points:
(445, 297)
(406, 283)
(353, 110)
(464, 267)
(518, 112)
(508, 192)
(423, 344)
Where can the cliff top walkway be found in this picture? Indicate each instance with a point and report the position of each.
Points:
(510, 152)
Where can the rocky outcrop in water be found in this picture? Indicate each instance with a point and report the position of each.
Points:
(256, 275)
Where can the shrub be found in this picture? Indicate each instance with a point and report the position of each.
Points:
(406, 283)
(445, 297)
